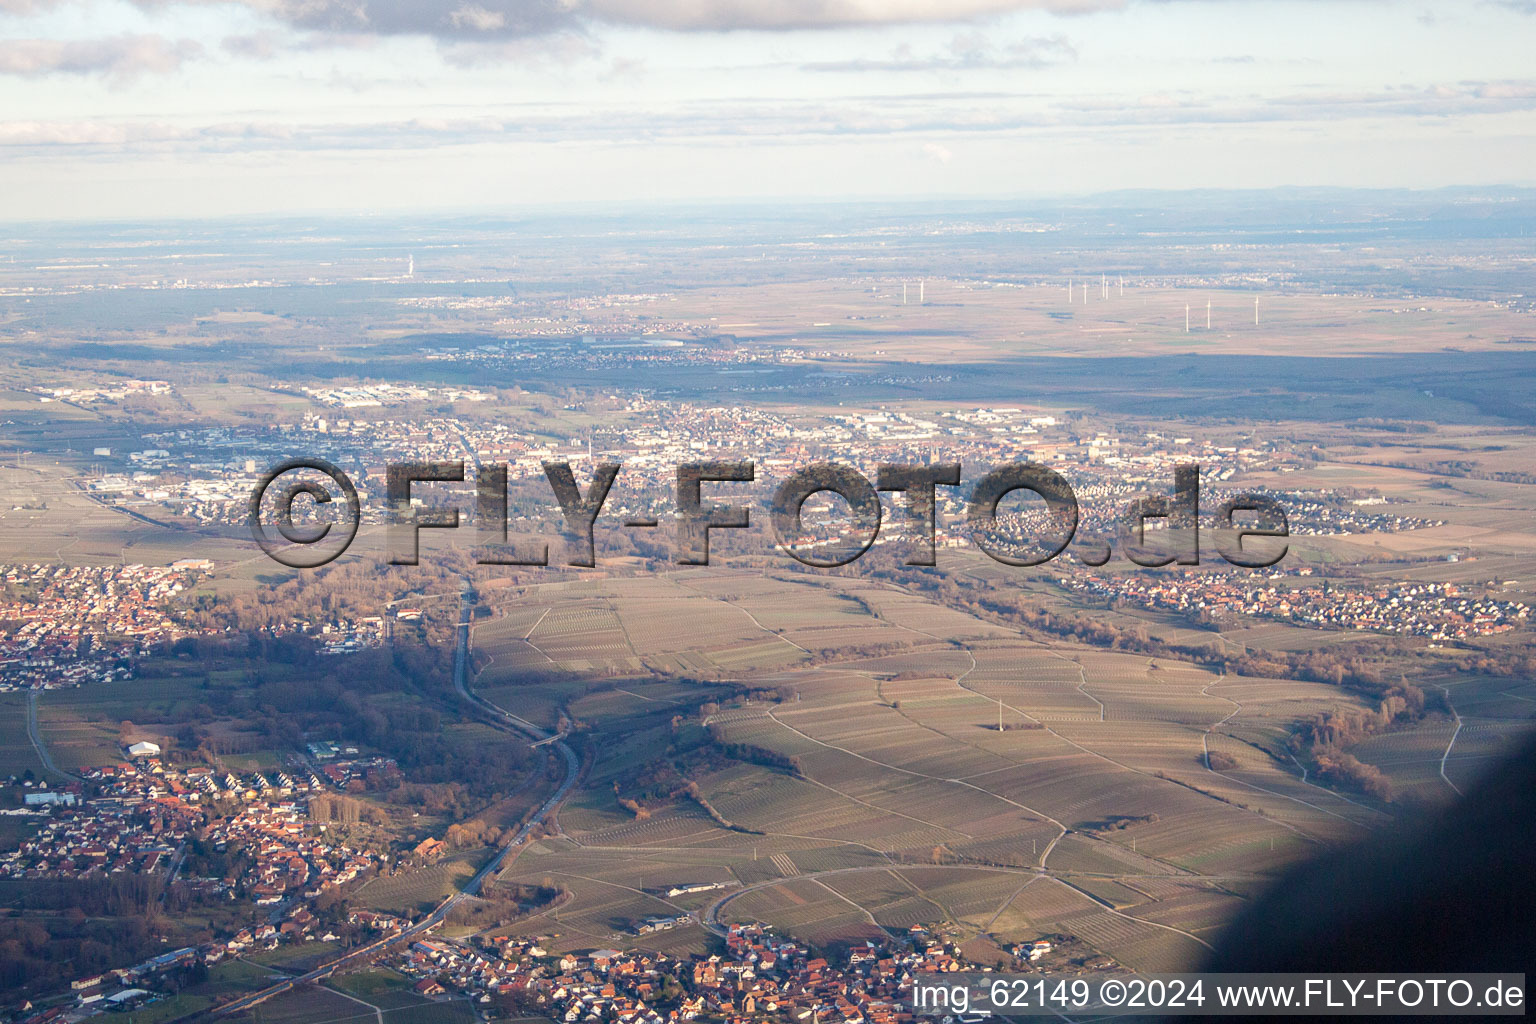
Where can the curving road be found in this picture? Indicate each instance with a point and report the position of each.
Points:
(501, 714)
(432, 920)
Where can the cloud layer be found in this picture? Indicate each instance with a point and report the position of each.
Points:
(503, 19)
(726, 15)
(460, 19)
(471, 32)
(918, 116)
(444, 19)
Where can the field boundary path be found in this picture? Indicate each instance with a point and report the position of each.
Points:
(36, 736)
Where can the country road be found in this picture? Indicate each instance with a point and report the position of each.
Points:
(37, 739)
(432, 920)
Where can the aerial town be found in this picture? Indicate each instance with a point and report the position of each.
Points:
(758, 974)
(70, 625)
(1435, 611)
(208, 476)
(644, 789)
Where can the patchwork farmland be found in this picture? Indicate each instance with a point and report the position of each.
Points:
(883, 792)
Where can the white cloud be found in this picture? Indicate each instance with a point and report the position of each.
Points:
(938, 152)
(548, 51)
(478, 18)
(971, 51)
(118, 57)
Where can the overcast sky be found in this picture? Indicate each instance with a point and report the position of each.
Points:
(111, 108)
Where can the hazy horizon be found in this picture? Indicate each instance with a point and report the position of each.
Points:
(117, 108)
(1243, 200)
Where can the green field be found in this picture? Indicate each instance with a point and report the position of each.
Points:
(415, 889)
(17, 755)
(316, 1005)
